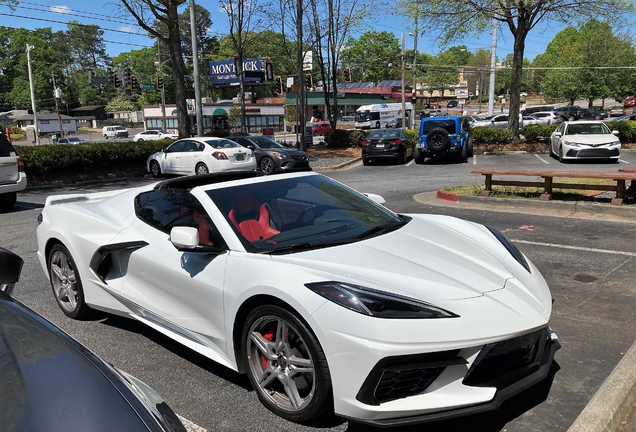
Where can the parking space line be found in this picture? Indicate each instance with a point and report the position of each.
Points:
(579, 248)
(474, 159)
(409, 163)
(541, 159)
(623, 161)
(191, 427)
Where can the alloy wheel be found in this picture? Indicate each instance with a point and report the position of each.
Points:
(64, 282)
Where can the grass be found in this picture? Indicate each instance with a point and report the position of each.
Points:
(518, 192)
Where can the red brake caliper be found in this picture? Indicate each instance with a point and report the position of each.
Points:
(269, 336)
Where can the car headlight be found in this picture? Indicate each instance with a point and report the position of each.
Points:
(572, 144)
(615, 143)
(516, 253)
(278, 155)
(376, 303)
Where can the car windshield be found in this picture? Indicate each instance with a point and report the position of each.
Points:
(295, 214)
(74, 139)
(449, 125)
(379, 134)
(222, 143)
(119, 128)
(587, 128)
(362, 116)
(266, 143)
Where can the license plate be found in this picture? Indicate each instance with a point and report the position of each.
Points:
(379, 146)
(240, 157)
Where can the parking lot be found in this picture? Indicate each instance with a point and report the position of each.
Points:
(588, 264)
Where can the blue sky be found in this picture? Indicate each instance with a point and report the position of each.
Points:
(122, 34)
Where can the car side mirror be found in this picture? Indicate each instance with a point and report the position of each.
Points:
(375, 197)
(186, 239)
(10, 269)
(558, 134)
(615, 132)
(251, 147)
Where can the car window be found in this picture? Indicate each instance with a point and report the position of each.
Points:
(176, 147)
(587, 128)
(377, 134)
(267, 143)
(166, 208)
(222, 143)
(449, 125)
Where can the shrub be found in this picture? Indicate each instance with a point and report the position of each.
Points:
(538, 132)
(412, 137)
(340, 138)
(221, 133)
(626, 130)
(490, 135)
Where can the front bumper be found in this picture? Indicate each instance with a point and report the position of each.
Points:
(603, 151)
(291, 164)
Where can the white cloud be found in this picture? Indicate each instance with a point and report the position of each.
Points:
(127, 28)
(60, 9)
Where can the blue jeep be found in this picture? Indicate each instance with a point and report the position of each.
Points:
(443, 136)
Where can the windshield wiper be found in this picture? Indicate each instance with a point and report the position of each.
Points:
(380, 229)
(296, 247)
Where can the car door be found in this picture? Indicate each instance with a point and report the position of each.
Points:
(555, 141)
(173, 291)
(171, 160)
(190, 156)
(500, 121)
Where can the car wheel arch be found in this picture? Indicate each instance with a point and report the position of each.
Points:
(50, 243)
(243, 312)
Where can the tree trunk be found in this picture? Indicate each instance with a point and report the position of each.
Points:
(515, 87)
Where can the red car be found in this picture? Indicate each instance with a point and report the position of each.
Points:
(320, 128)
(629, 101)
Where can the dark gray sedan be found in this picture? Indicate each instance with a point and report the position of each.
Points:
(50, 381)
(272, 156)
(386, 144)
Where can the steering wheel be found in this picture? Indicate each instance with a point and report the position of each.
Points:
(304, 211)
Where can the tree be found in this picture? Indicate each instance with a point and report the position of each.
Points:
(370, 55)
(518, 16)
(443, 72)
(166, 12)
(477, 71)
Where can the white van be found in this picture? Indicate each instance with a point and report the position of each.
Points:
(114, 132)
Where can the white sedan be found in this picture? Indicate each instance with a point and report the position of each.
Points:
(585, 140)
(201, 156)
(325, 299)
(155, 135)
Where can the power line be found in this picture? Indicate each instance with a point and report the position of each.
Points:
(90, 14)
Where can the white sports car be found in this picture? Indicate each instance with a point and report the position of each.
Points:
(201, 156)
(585, 140)
(325, 298)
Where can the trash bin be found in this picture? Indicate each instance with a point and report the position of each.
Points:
(54, 138)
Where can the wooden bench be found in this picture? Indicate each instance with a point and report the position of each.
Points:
(548, 183)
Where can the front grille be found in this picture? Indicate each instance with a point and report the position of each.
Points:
(502, 363)
(403, 376)
(299, 157)
(593, 153)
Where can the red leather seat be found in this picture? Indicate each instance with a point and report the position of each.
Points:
(251, 218)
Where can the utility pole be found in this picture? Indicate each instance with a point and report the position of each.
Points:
(57, 109)
(35, 112)
(163, 91)
(403, 86)
(301, 82)
(415, 34)
(493, 64)
(195, 62)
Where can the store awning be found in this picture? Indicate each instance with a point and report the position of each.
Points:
(219, 112)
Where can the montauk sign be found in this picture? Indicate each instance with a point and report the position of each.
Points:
(224, 72)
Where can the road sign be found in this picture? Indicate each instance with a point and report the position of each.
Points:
(147, 86)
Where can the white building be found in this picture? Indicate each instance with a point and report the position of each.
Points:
(48, 122)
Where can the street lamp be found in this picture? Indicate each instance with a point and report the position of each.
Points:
(414, 34)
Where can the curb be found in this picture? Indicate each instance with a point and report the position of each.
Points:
(335, 167)
(441, 194)
(613, 400)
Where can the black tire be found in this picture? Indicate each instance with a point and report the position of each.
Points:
(552, 154)
(597, 117)
(140, 140)
(419, 160)
(266, 165)
(200, 169)
(377, 125)
(155, 169)
(366, 162)
(66, 283)
(105, 136)
(560, 155)
(463, 156)
(438, 140)
(470, 147)
(8, 200)
(300, 352)
(571, 118)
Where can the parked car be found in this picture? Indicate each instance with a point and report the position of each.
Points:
(326, 299)
(320, 128)
(348, 118)
(201, 156)
(154, 135)
(529, 120)
(435, 113)
(627, 117)
(395, 123)
(591, 114)
(533, 109)
(272, 156)
(570, 112)
(44, 370)
(71, 140)
(114, 132)
(630, 101)
(472, 119)
(616, 111)
(499, 120)
(548, 117)
(386, 144)
(12, 176)
(585, 139)
(443, 136)
(452, 103)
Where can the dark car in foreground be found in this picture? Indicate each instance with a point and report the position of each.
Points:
(386, 144)
(272, 156)
(51, 382)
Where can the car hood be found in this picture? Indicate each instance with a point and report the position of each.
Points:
(591, 139)
(42, 375)
(432, 258)
(287, 151)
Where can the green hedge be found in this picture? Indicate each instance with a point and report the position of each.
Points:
(341, 138)
(490, 135)
(626, 130)
(538, 132)
(60, 160)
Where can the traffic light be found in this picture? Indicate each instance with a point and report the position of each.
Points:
(309, 82)
(279, 85)
(109, 76)
(134, 84)
(127, 77)
(347, 74)
(159, 82)
(116, 80)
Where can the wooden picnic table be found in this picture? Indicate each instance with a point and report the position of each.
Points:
(548, 183)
